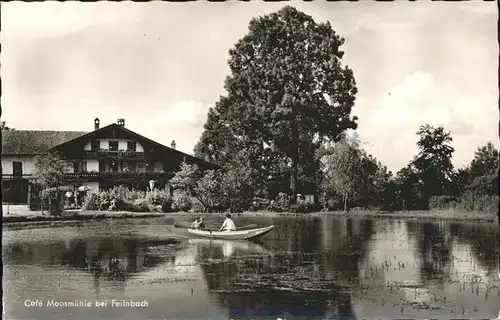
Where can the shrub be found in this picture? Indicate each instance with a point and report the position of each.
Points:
(182, 201)
(488, 204)
(281, 204)
(197, 207)
(259, 204)
(159, 200)
(138, 205)
(91, 202)
(302, 207)
(117, 204)
(483, 203)
(442, 202)
(123, 193)
(468, 202)
(119, 198)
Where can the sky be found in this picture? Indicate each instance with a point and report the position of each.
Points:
(161, 65)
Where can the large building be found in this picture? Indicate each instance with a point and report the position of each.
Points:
(98, 159)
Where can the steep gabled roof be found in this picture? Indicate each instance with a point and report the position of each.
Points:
(117, 128)
(32, 142)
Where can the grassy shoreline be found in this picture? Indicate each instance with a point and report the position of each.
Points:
(37, 217)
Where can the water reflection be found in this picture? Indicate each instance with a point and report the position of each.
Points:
(307, 276)
(326, 267)
(416, 268)
(228, 248)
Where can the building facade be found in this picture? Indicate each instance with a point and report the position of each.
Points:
(107, 156)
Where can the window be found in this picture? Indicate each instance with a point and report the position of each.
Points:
(102, 166)
(17, 168)
(95, 145)
(113, 146)
(131, 146)
(83, 167)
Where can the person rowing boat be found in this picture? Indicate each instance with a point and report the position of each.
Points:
(228, 224)
(198, 224)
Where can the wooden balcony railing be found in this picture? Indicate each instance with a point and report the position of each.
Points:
(16, 176)
(93, 174)
(82, 175)
(124, 154)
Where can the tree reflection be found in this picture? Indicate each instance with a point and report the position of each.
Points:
(483, 241)
(434, 247)
(305, 276)
(111, 257)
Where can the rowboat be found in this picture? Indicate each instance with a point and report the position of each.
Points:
(231, 235)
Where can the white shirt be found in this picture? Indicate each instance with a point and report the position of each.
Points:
(228, 225)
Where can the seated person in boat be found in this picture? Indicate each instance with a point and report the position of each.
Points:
(201, 224)
(228, 224)
(198, 224)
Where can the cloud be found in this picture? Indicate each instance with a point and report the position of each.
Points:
(185, 113)
(418, 100)
(52, 18)
(181, 121)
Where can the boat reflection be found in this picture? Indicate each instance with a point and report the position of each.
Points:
(230, 247)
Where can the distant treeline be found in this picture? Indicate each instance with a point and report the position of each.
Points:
(350, 177)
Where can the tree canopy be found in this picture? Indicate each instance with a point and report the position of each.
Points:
(433, 162)
(288, 92)
(486, 161)
(50, 170)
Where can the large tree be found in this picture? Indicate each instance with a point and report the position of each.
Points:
(485, 162)
(287, 93)
(50, 175)
(409, 194)
(433, 162)
(481, 176)
(375, 180)
(342, 165)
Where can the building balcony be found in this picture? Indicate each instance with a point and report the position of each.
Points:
(110, 153)
(115, 175)
(16, 176)
(82, 175)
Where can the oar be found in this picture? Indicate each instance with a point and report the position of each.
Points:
(250, 226)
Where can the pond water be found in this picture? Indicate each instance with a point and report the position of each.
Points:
(315, 268)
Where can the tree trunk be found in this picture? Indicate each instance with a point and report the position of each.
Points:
(345, 201)
(55, 206)
(295, 159)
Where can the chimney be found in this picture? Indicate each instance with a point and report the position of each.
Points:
(172, 145)
(96, 123)
(121, 122)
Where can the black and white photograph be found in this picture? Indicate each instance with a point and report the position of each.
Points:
(250, 160)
